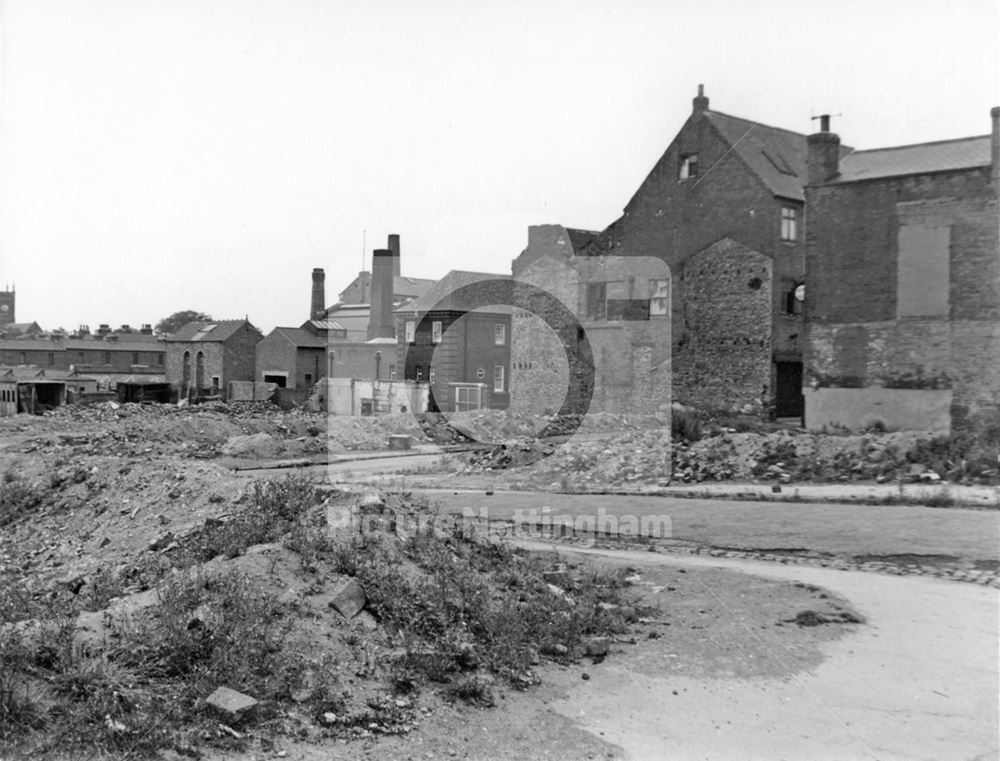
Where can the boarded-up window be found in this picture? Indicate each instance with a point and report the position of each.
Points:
(922, 278)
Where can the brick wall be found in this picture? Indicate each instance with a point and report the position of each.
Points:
(466, 353)
(862, 333)
(238, 354)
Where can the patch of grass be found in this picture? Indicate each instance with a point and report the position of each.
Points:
(18, 497)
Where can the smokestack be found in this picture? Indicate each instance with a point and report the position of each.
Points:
(824, 153)
(995, 145)
(380, 323)
(394, 247)
(318, 310)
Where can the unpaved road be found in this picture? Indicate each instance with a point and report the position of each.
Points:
(919, 681)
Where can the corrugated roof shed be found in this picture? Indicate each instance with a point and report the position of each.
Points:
(923, 158)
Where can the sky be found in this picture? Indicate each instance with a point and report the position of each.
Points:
(159, 155)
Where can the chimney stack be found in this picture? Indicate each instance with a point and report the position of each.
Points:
(995, 146)
(318, 310)
(394, 247)
(700, 103)
(824, 153)
(380, 321)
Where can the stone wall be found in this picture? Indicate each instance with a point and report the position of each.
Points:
(723, 358)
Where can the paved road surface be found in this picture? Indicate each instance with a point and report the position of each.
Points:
(919, 681)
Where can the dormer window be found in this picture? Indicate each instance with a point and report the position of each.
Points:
(688, 166)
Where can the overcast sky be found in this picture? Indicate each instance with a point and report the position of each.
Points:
(160, 155)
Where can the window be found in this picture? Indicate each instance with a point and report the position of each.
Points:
(216, 382)
(794, 297)
(411, 331)
(436, 331)
(135, 358)
(659, 297)
(159, 359)
(308, 378)
(688, 167)
(498, 379)
(420, 373)
(597, 301)
(499, 334)
(392, 372)
(79, 356)
(467, 398)
(107, 357)
(430, 376)
(52, 359)
(480, 373)
(788, 223)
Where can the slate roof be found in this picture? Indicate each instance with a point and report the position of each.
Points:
(923, 158)
(437, 296)
(30, 344)
(208, 331)
(777, 156)
(302, 338)
(123, 343)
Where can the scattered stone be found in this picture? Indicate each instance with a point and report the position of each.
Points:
(231, 702)
(348, 598)
(161, 542)
(597, 646)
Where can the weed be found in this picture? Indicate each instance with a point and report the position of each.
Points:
(18, 496)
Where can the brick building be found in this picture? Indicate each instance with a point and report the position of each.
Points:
(202, 357)
(723, 208)
(463, 354)
(623, 305)
(108, 355)
(903, 284)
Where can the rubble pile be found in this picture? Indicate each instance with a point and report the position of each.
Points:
(648, 456)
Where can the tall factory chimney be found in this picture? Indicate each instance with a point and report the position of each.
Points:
(318, 310)
(380, 322)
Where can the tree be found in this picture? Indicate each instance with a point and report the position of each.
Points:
(178, 320)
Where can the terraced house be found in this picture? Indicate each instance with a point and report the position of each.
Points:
(723, 208)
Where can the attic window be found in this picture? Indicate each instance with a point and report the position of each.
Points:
(780, 163)
(688, 167)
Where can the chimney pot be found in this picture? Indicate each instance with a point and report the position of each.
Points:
(823, 153)
(700, 103)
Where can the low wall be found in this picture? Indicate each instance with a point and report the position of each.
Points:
(899, 408)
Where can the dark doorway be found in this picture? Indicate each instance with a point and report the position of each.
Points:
(788, 393)
(278, 380)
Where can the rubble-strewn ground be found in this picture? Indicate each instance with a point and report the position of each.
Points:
(139, 574)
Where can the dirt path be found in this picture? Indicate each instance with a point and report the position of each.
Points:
(919, 681)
